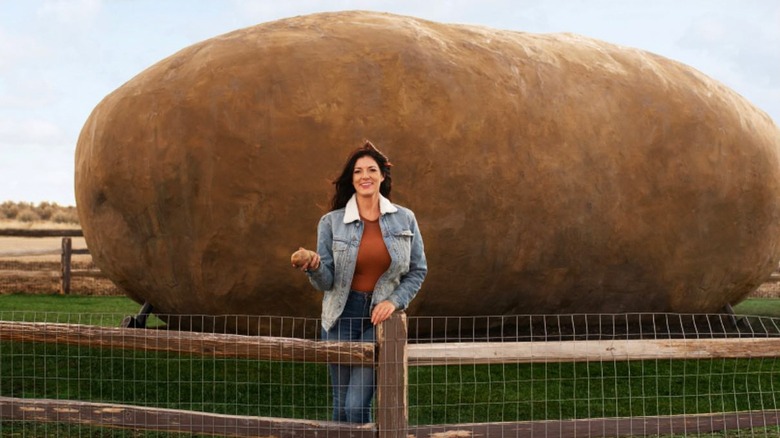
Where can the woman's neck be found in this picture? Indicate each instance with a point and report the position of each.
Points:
(368, 206)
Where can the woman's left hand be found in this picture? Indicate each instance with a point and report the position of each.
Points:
(382, 311)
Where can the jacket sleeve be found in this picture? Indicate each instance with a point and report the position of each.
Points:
(418, 268)
(322, 277)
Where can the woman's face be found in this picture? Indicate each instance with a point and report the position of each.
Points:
(366, 176)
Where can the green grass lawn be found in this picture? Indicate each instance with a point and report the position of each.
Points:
(106, 311)
(67, 304)
(451, 394)
(759, 307)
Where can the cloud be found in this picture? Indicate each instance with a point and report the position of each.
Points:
(705, 32)
(26, 90)
(749, 50)
(30, 132)
(70, 12)
(502, 13)
(14, 49)
(37, 174)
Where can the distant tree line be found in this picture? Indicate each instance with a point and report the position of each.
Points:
(44, 211)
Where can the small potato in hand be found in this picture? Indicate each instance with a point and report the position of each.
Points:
(304, 259)
(300, 257)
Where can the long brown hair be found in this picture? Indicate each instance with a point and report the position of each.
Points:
(344, 187)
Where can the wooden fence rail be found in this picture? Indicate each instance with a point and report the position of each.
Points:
(466, 353)
(205, 423)
(391, 356)
(203, 344)
(66, 252)
(20, 232)
(173, 420)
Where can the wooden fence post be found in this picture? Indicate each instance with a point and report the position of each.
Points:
(67, 248)
(392, 416)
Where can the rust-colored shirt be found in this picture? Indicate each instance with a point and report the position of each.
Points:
(373, 258)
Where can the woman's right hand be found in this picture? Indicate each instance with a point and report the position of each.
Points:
(305, 260)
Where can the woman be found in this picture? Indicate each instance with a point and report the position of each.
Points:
(370, 262)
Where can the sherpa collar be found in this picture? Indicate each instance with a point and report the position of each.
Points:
(351, 213)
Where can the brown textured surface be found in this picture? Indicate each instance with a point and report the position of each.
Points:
(549, 173)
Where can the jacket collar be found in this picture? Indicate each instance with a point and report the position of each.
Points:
(351, 213)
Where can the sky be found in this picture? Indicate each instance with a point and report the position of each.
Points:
(59, 58)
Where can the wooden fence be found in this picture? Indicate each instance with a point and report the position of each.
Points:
(66, 273)
(66, 252)
(391, 356)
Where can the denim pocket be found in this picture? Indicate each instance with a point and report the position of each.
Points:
(402, 241)
(339, 260)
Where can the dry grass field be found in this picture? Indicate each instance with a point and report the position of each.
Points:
(22, 273)
(767, 290)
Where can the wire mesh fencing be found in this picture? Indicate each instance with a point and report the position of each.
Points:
(553, 375)
(598, 375)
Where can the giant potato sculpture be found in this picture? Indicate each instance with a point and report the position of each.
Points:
(549, 173)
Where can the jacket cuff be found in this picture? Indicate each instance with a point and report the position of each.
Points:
(394, 299)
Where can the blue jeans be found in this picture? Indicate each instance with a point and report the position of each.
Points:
(353, 386)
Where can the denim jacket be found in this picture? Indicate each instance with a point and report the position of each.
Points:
(338, 240)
